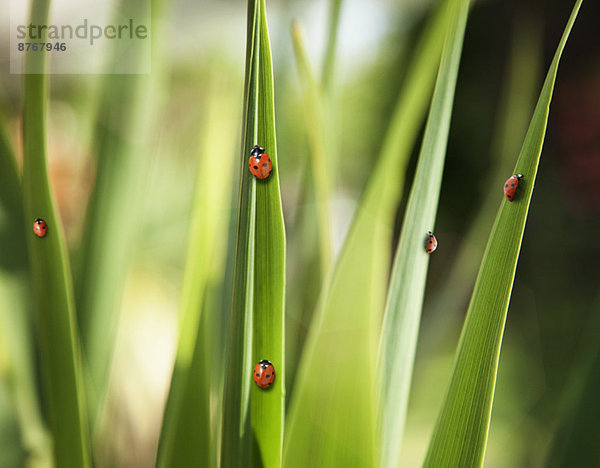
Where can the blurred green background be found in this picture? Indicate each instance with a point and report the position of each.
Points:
(552, 331)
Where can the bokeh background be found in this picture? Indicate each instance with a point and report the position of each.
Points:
(552, 327)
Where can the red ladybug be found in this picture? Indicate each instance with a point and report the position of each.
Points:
(264, 374)
(40, 228)
(260, 164)
(430, 242)
(510, 186)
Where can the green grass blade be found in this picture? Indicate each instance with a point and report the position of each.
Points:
(15, 323)
(15, 334)
(187, 434)
(317, 140)
(347, 321)
(123, 130)
(10, 181)
(11, 207)
(409, 274)
(329, 58)
(461, 431)
(311, 245)
(257, 323)
(516, 102)
(576, 440)
(54, 307)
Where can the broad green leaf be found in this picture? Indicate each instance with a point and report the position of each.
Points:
(332, 419)
(409, 274)
(460, 435)
(52, 285)
(187, 434)
(252, 415)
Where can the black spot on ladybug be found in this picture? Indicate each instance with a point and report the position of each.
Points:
(257, 375)
(506, 185)
(255, 167)
(512, 185)
(268, 375)
(265, 165)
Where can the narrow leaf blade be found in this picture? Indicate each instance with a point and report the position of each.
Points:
(332, 419)
(460, 434)
(409, 274)
(53, 290)
(187, 434)
(253, 417)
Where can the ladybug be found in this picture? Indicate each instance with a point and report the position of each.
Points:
(264, 374)
(430, 243)
(510, 186)
(40, 228)
(260, 164)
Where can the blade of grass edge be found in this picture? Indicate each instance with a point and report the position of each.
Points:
(358, 285)
(187, 434)
(257, 319)
(53, 289)
(409, 274)
(460, 434)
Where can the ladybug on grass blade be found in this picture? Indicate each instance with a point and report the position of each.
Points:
(510, 186)
(40, 228)
(430, 242)
(264, 374)
(260, 164)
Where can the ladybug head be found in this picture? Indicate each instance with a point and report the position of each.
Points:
(429, 234)
(519, 176)
(39, 221)
(257, 150)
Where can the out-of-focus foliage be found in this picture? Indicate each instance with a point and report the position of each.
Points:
(359, 56)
